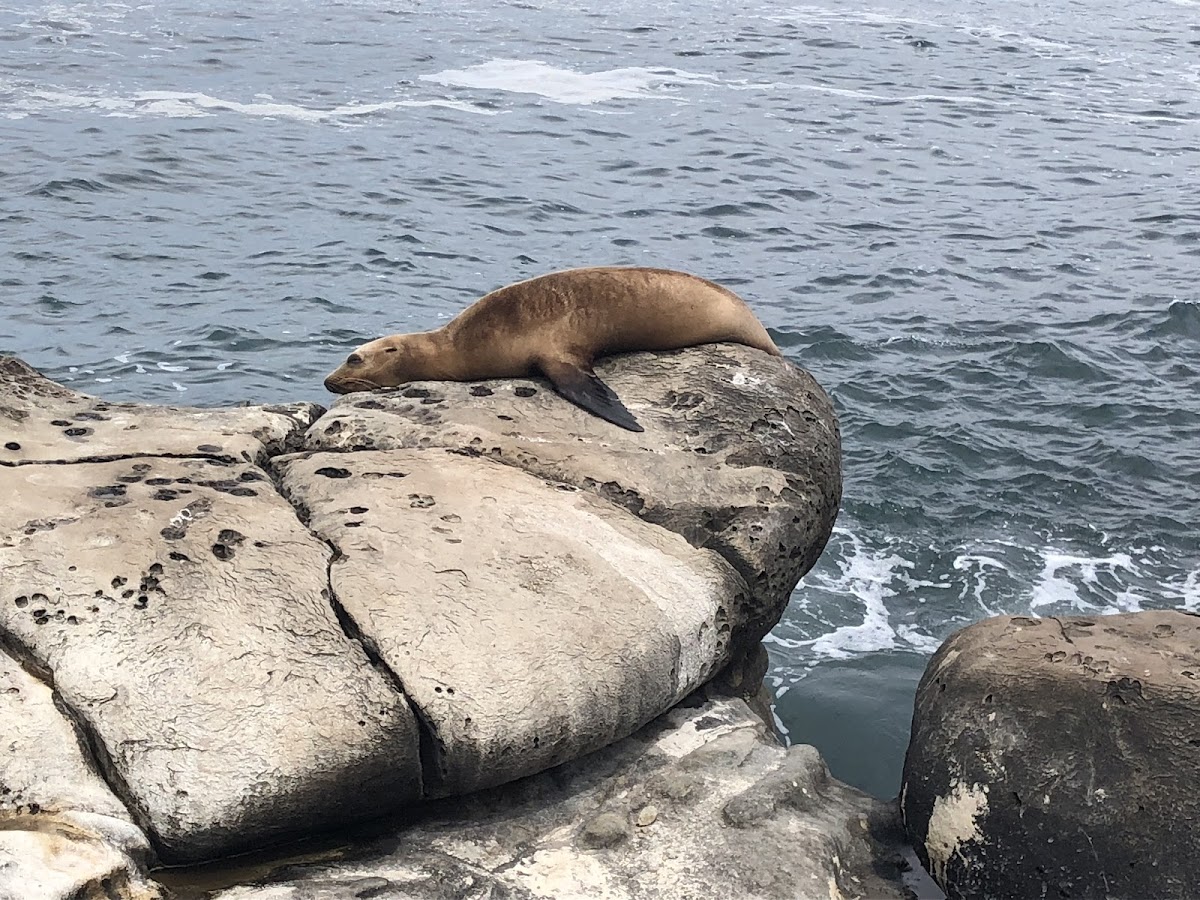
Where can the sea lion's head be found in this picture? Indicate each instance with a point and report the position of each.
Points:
(386, 362)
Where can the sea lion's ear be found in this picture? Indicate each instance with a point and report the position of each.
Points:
(578, 383)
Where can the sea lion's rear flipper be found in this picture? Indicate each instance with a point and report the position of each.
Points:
(583, 387)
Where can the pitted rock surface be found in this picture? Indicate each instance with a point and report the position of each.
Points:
(735, 815)
(529, 622)
(63, 833)
(1058, 757)
(42, 421)
(234, 661)
(741, 452)
(179, 607)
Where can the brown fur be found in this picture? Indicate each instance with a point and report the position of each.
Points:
(557, 324)
(576, 314)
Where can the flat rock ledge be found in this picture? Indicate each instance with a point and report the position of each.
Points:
(1057, 757)
(257, 623)
(741, 453)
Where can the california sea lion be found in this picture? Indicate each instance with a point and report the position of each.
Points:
(556, 325)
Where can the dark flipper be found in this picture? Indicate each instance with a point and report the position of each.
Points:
(583, 387)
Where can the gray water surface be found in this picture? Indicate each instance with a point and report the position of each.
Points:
(978, 224)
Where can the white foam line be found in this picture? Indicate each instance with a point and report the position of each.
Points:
(994, 573)
(865, 576)
(819, 14)
(1052, 590)
(1189, 591)
(965, 561)
(184, 104)
(1002, 35)
(966, 99)
(922, 643)
(523, 76)
(637, 83)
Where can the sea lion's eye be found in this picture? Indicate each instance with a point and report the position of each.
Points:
(390, 350)
(354, 359)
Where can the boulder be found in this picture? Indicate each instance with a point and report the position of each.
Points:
(1057, 757)
(741, 453)
(258, 630)
(180, 610)
(702, 803)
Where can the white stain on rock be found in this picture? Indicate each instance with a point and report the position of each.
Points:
(954, 821)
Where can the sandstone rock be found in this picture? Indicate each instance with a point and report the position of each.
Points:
(63, 834)
(529, 622)
(1057, 758)
(741, 452)
(567, 833)
(488, 588)
(178, 606)
(42, 421)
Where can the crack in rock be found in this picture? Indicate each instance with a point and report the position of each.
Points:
(427, 737)
(92, 749)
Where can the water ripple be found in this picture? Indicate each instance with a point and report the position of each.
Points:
(978, 228)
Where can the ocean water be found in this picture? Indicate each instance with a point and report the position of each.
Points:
(978, 224)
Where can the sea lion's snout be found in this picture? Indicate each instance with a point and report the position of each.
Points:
(342, 380)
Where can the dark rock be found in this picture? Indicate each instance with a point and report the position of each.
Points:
(1058, 758)
(605, 830)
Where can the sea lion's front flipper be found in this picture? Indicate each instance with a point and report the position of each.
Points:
(583, 387)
